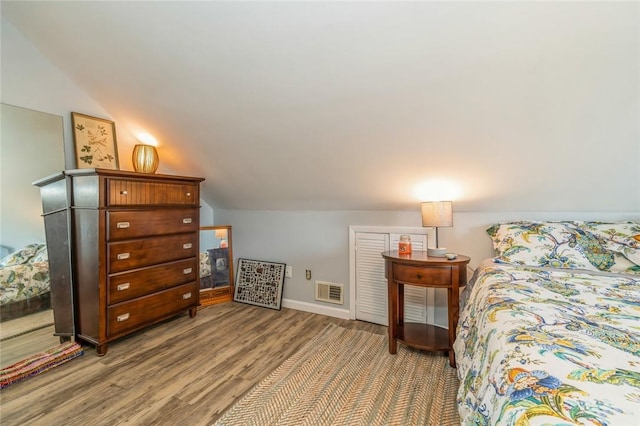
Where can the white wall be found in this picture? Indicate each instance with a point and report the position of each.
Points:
(31, 81)
(319, 240)
(516, 102)
(303, 239)
(316, 240)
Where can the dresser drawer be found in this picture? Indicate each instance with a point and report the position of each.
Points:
(433, 276)
(148, 309)
(150, 251)
(123, 225)
(129, 192)
(129, 285)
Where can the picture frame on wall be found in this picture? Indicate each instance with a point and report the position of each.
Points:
(259, 283)
(95, 142)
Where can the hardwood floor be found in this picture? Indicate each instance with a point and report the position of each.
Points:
(20, 347)
(183, 371)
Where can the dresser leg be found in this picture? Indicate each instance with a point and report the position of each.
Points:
(101, 350)
(193, 312)
(452, 358)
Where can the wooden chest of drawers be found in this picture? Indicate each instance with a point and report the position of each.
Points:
(135, 242)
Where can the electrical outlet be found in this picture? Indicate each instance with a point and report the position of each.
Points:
(288, 272)
(308, 274)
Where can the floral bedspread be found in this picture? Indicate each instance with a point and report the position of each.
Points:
(543, 346)
(24, 274)
(205, 265)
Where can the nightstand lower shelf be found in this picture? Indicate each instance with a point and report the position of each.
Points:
(423, 336)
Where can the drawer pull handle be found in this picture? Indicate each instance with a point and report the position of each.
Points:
(187, 271)
(419, 276)
(188, 194)
(123, 192)
(123, 256)
(123, 317)
(122, 225)
(187, 220)
(186, 296)
(124, 286)
(187, 246)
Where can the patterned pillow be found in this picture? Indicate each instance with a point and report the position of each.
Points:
(23, 255)
(568, 244)
(622, 239)
(41, 255)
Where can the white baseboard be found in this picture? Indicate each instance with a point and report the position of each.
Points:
(316, 309)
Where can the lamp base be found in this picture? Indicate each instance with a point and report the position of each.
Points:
(436, 252)
(145, 159)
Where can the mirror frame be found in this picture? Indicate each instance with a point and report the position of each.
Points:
(215, 295)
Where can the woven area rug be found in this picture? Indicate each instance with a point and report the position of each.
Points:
(39, 363)
(348, 377)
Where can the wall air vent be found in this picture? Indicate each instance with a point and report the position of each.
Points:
(329, 292)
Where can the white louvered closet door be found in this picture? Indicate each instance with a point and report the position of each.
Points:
(371, 284)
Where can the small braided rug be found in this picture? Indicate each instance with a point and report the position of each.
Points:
(39, 363)
(348, 377)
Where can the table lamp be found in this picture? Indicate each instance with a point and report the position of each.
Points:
(221, 234)
(145, 158)
(437, 214)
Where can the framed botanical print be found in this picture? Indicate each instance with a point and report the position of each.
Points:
(95, 142)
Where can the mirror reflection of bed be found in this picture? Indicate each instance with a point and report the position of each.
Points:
(216, 265)
(32, 148)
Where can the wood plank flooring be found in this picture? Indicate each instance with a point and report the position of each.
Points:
(20, 347)
(183, 371)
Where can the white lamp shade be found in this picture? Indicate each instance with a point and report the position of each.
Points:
(437, 213)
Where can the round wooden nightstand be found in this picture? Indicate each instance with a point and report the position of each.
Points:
(420, 270)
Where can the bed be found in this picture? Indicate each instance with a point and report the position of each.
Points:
(24, 282)
(206, 280)
(549, 329)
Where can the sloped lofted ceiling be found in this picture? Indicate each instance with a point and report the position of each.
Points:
(353, 105)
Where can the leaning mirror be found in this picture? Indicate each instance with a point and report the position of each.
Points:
(216, 265)
(32, 146)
